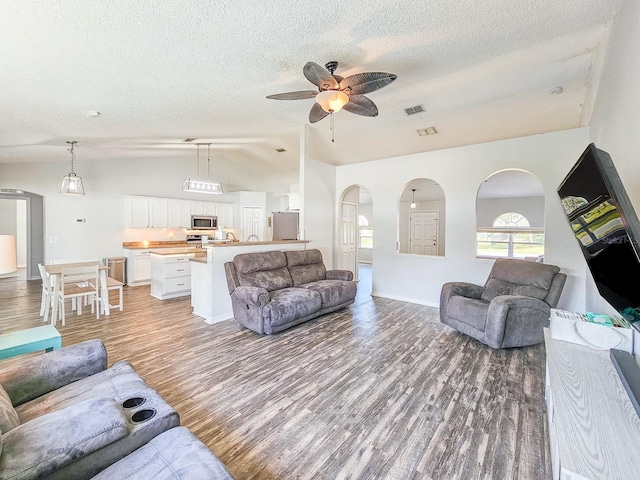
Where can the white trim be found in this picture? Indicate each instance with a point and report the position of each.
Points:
(417, 255)
(405, 299)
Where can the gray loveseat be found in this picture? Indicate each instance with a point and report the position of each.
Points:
(65, 415)
(273, 291)
(512, 307)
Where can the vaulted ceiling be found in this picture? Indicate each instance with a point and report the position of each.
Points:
(159, 72)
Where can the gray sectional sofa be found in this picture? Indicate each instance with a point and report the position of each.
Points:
(66, 415)
(272, 291)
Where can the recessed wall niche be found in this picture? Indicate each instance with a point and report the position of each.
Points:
(421, 218)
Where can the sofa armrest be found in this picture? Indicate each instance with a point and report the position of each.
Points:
(499, 309)
(45, 444)
(345, 275)
(44, 373)
(257, 296)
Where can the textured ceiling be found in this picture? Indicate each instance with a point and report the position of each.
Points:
(162, 71)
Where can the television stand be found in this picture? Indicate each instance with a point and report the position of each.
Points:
(593, 427)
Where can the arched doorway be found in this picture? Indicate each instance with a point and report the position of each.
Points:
(356, 234)
(34, 236)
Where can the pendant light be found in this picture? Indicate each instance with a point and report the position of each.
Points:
(413, 198)
(201, 186)
(71, 183)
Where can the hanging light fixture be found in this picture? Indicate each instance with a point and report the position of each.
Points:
(201, 186)
(71, 183)
(413, 198)
(332, 101)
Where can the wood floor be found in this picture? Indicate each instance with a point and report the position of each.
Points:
(381, 390)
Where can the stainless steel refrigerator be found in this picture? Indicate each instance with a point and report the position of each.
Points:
(285, 225)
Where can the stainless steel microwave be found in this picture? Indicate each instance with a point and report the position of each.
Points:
(203, 222)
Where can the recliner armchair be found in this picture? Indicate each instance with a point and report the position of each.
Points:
(512, 307)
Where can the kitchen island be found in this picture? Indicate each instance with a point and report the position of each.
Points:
(171, 271)
(210, 297)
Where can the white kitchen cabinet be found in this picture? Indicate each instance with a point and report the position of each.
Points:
(158, 212)
(170, 275)
(225, 215)
(136, 212)
(179, 213)
(145, 212)
(138, 267)
(210, 208)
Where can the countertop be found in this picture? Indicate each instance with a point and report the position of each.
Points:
(158, 244)
(244, 244)
(178, 251)
(199, 259)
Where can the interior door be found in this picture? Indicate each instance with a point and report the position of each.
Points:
(252, 224)
(349, 235)
(423, 233)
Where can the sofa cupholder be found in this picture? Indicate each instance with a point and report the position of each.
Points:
(133, 402)
(143, 415)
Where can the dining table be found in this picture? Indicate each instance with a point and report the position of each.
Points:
(55, 273)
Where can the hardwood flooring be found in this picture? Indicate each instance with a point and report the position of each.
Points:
(381, 390)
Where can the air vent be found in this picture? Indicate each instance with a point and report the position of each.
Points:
(427, 131)
(414, 110)
(188, 140)
(280, 150)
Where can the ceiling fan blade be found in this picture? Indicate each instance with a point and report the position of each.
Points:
(317, 113)
(319, 76)
(301, 95)
(367, 82)
(361, 105)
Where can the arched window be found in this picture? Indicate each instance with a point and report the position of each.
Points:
(511, 236)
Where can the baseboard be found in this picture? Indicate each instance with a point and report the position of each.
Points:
(406, 299)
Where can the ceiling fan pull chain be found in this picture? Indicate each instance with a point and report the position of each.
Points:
(331, 127)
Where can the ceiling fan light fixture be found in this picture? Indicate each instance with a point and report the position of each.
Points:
(332, 101)
(413, 198)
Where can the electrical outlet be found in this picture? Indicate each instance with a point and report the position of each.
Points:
(53, 239)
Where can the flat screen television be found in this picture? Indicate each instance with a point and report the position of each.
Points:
(606, 226)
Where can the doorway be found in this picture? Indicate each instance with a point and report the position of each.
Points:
(33, 217)
(355, 232)
(252, 224)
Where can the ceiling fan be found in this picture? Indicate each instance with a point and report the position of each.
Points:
(335, 92)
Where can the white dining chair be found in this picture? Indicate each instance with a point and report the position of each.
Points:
(47, 293)
(113, 284)
(80, 283)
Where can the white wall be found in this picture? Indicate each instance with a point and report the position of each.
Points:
(614, 123)
(8, 217)
(318, 223)
(459, 172)
(530, 207)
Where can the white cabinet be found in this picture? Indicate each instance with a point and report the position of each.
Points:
(138, 267)
(145, 212)
(210, 208)
(158, 213)
(136, 212)
(179, 213)
(225, 215)
(170, 276)
(593, 427)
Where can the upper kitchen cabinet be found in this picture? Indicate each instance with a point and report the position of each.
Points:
(225, 215)
(145, 212)
(203, 208)
(179, 213)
